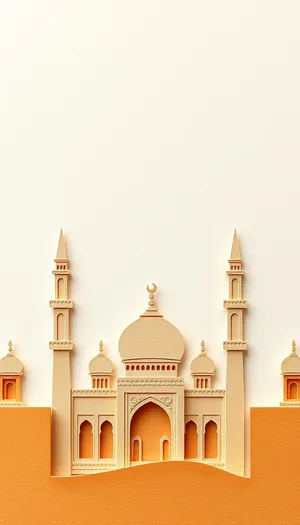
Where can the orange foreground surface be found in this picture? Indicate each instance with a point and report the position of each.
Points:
(161, 493)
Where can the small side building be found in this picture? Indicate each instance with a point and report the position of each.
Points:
(290, 369)
(11, 375)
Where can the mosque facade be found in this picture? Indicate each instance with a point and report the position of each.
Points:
(147, 415)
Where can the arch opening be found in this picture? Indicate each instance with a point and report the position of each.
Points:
(191, 441)
(106, 440)
(234, 325)
(61, 334)
(211, 440)
(151, 423)
(86, 440)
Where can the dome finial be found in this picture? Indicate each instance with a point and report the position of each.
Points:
(10, 346)
(202, 347)
(294, 346)
(101, 347)
(152, 306)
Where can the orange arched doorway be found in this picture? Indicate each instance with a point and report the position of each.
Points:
(149, 425)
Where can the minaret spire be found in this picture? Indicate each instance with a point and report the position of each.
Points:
(61, 345)
(62, 248)
(235, 347)
(235, 250)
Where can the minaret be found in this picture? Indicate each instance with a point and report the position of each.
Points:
(61, 346)
(235, 347)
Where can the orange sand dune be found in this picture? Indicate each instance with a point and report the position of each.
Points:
(163, 493)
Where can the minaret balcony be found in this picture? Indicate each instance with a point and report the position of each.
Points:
(61, 272)
(235, 345)
(235, 303)
(61, 345)
(61, 303)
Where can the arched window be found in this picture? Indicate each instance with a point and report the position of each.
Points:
(152, 367)
(198, 383)
(136, 453)
(165, 450)
(10, 389)
(206, 383)
(127, 367)
(86, 440)
(168, 367)
(173, 367)
(148, 367)
(211, 440)
(106, 440)
(191, 441)
(235, 293)
(132, 367)
(293, 391)
(234, 325)
(163, 367)
(106, 383)
(61, 334)
(98, 383)
(61, 288)
(143, 367)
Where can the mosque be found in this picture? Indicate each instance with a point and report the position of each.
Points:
(147, 415)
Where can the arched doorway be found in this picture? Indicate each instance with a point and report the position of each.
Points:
(149, 425)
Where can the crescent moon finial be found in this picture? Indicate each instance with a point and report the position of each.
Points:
(151, 304)
(153, 289)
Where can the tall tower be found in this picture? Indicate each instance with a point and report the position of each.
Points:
(61, 346)
(235, 347)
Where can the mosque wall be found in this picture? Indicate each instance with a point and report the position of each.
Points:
(201, 409)
(94, 436)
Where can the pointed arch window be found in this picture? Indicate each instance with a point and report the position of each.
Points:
(86, 440)
(106, 440)
(211, 440)
(191, 441)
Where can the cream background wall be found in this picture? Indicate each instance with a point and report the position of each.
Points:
(148, 131)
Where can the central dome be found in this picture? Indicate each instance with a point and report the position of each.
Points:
(151, 337)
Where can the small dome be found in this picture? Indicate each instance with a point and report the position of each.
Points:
(202, 364)
(101, 364)
(10, 364)
(291, 364)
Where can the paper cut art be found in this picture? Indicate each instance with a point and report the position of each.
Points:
(147, 415)
(150, 419)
